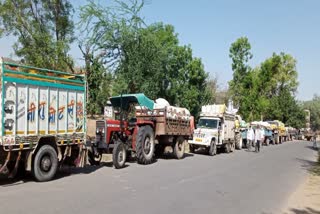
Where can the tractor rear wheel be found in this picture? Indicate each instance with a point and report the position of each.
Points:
(119, 155)
(145, 145)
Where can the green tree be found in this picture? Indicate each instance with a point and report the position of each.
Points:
(240, 55)
(44, 30)
(144, 58)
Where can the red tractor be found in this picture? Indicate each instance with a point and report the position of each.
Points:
(140, 130)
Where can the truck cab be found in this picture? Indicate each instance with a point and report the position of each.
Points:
(207, 130)
(215, 129)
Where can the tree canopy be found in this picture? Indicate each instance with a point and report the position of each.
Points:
(44, 30)
(147, 59)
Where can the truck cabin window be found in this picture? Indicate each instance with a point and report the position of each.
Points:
(208, 123)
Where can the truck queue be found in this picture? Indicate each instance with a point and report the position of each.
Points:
(44, 125)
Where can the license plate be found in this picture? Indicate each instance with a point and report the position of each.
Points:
(198, 140)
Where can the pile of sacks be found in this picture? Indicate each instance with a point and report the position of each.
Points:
(173, 112)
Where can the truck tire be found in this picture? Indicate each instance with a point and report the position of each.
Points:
(232, 146)
(45, 164)
(192, 148)
(227, 147)
(119, 155)
(238, 140)
(145, 145)
(213, 148)
(178, 149)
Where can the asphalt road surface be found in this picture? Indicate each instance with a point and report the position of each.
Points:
(241, 182)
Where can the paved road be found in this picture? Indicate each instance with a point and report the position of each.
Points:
(242, 182)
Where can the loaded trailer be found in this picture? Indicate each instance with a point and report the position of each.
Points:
(141, 130)
(43, 120)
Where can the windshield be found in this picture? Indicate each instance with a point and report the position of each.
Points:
(208, 123)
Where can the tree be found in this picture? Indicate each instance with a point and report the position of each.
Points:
(144, 58)
(44, 31)
(240, 55)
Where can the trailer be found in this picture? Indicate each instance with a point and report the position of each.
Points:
(43, 120)
(141, 130)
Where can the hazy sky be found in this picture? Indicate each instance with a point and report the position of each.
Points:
(210, 26)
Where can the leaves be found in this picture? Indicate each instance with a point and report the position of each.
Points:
(268, 91)
(142, 58)
(43, 28)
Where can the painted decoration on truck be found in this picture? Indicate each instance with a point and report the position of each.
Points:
(53, 106)
(62, 111)
(32, 107)
(80, 113)
(9, 107)
(21, 109)
(71, 111)
(43, 110)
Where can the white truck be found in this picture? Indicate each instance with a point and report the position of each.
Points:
(215, 129)
(43, 120)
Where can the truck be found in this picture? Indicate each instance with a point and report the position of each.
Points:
(215, 129)
(279, 131)
(140, 130)
(267, 131)
(43, 120)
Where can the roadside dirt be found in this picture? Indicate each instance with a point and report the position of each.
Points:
(306, 199)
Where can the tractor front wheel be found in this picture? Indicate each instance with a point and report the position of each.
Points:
(119, 155)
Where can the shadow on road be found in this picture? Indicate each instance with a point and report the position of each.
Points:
(312, 148)
(307, 210)
(62, 173)
(311, 166)
(170, 156)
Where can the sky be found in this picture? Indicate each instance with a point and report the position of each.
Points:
(210, 26)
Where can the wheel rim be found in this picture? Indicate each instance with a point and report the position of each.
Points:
(98, 158)
(121, 155)
(45, 163)
(147, 146)
(180, 146)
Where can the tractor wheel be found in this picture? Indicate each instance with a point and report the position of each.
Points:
(213, 148)
(45, 163)
(94, 159)
(145, 145)
(119, 155)
(178, 149)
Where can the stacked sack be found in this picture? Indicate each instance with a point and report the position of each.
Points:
(175, 113)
